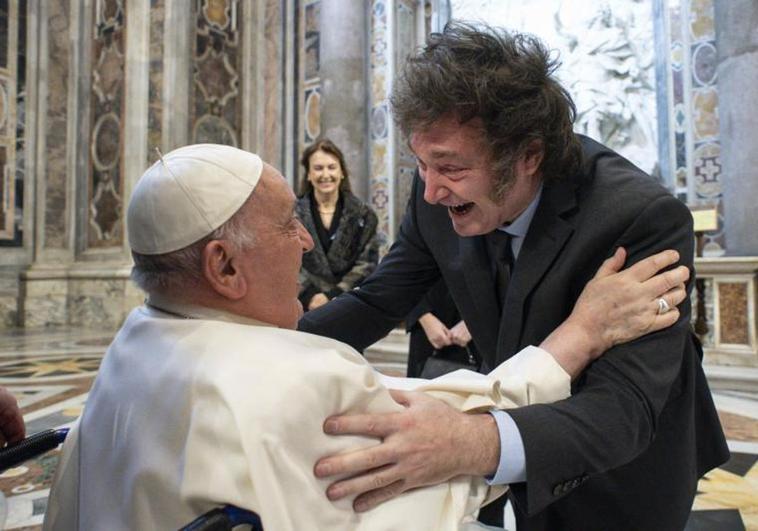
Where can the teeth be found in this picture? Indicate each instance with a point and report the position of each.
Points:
(459, 209)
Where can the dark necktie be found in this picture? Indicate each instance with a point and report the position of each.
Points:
(502, 256)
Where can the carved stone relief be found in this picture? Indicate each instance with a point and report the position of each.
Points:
(606, 52)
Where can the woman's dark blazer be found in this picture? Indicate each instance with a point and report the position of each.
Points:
(352, 256)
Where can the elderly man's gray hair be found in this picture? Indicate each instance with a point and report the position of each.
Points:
(182, 269)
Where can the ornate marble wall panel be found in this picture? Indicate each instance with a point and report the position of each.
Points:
(733, 313)
(9, 29)
(106, 186)
(382, 156)
(58, 70)
(272, 84)
(308, 74)
(732, 316)
(20, 170)
(694, 144)
(216, 104)
(155, 83)
(406, 40)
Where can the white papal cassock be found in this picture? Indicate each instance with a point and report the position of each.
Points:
(195, 408)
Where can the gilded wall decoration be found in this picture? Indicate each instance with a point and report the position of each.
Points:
(216, 108)
(106, 137)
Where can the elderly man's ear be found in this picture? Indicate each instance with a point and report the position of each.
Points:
(221, 271)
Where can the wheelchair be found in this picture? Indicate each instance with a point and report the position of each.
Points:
(220, 519)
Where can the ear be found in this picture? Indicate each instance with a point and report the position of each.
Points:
(531, 160)
(219, 269)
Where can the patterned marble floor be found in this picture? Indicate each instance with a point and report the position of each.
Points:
(51, 372)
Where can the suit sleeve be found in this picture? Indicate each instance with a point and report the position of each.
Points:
(362, 316)
(613, 416)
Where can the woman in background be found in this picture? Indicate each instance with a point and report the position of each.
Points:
(343, 228)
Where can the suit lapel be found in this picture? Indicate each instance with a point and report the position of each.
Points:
(547, 235)
(476, 269)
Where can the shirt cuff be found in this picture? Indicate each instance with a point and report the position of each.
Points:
(512, 466)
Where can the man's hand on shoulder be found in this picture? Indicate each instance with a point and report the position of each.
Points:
(428, 443)
(618, 306)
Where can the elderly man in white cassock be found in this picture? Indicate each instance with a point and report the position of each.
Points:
(208, 396)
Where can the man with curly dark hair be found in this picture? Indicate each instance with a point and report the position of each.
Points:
(515, 211)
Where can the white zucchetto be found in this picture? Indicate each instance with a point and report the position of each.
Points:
(188, 194)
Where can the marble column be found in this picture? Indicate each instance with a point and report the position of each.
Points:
(344, 117)
(737, 43)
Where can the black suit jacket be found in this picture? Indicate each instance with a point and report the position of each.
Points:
(626, 450)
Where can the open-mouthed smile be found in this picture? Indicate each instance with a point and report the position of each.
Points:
(460, 210)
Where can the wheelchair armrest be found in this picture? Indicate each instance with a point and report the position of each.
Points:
(224, 519)
(32, 446)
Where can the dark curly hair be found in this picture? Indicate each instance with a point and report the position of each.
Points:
(327, 146)
(506, 80)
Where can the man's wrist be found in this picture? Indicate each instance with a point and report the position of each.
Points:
(483, 441)
(573, 347)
